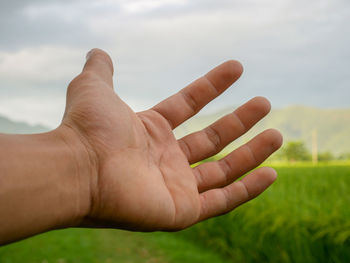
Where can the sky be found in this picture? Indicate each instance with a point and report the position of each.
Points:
(293, 51)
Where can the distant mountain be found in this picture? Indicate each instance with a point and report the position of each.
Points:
(295, 123)
(9, 126)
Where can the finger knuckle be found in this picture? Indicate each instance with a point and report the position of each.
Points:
(214, 138)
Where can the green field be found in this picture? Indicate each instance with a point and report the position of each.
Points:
(303, 217)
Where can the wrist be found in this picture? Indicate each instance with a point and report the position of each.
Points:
(44, 183)
(82, 158)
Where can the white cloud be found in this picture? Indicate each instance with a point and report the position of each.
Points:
(144, 6)
(41, 64)
(45, 110)
(292, 51)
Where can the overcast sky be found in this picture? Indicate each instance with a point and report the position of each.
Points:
(293, 51)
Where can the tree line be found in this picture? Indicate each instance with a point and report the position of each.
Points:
(293, 151)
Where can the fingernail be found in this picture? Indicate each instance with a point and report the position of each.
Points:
(88, 55)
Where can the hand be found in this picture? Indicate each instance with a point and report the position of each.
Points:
(141, 178)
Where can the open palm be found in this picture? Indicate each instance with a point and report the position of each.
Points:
(141, 176)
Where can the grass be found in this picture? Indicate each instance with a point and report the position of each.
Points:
(105, 246)
(303, 217)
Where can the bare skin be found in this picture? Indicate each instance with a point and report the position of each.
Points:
(126, 170)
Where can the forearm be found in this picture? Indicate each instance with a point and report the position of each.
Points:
(41, 183)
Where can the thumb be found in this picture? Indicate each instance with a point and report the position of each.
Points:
(99, 64)
(97, 73)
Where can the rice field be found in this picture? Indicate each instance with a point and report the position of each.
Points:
(303, 217)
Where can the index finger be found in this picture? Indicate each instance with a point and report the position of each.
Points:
(190, 100)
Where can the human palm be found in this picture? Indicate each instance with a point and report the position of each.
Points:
(141, 175)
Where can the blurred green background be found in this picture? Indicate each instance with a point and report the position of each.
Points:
(303, 217)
